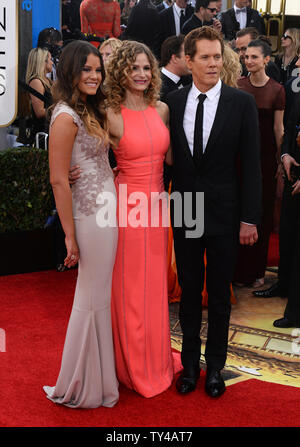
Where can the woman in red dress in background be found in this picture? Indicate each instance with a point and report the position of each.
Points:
(270, 100)
(100, 17)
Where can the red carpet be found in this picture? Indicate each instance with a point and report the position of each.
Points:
(34, 312)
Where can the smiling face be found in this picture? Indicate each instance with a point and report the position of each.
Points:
(140, 76)
(255, 60)
(91, 77)
(206, 65)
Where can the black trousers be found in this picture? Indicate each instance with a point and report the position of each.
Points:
(289, 250)
(221, 252)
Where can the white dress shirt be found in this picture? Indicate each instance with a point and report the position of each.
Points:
(210, 106)
(170, 75)
(209, 112)
(241, 17)
(177, 13)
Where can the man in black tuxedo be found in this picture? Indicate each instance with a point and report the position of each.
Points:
(240, 17)
(144, 26)
(173, 18)
(173, 65)
(205, 14)
(212, 127)
(289, 236)
(174, 73)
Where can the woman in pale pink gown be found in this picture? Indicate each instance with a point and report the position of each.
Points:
(87, 377)
(138, 128)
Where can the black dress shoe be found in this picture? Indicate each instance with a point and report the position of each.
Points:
(285, 323)
(187, 380)
(274, 290)
(214, 384)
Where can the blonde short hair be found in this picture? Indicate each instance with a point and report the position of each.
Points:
(113, 42)
(232, 68)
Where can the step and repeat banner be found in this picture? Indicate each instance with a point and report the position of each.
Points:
(8, 61)
(20, 24)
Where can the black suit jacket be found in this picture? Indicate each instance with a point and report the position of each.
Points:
(289, 145)
(144, 26)
(167, 86)
(292, 96)
(230, 26)
(167, 22)
(234, 137)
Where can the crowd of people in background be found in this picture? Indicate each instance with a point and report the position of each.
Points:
(152, 38)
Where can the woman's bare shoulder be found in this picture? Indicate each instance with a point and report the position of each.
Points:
(163, 110)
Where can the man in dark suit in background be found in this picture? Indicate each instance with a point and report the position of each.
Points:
(205, 14)
(289, 236)
(144, 26)
(173, 65)
(240, 17)
(205, 153)
(173, 18)
(174, 73)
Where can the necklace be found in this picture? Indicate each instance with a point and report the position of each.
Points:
(284, 65)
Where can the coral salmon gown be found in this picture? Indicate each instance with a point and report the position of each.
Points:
(140, 314)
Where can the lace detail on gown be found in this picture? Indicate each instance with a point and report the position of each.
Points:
(93, 155)
(87, 378)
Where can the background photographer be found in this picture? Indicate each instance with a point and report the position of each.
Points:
(51, 38)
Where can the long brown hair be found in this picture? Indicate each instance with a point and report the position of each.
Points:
(71, 62)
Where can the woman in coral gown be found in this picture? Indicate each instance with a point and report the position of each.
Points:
(138, 128)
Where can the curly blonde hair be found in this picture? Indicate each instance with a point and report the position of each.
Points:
(232, 68)
(118, 69)
(113, 42)
(92, 112)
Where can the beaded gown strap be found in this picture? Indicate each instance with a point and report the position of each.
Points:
(64, 108)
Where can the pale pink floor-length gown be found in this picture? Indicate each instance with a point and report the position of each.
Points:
(87, 377)
(140, 314)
